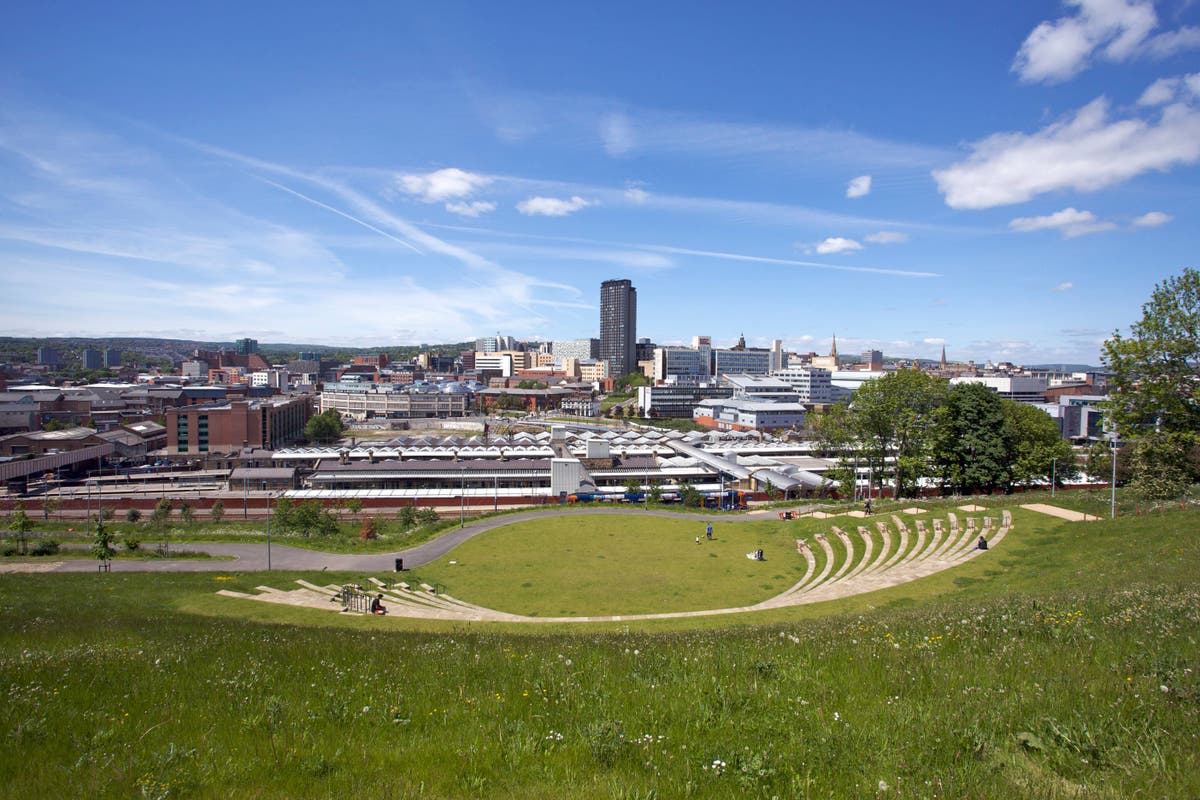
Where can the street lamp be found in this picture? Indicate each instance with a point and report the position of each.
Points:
(269, 502)
(1053, 474)
(1113, 504)
(462, 498)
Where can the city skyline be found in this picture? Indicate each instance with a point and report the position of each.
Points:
(1009, 182)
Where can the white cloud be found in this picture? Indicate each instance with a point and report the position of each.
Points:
(1167, 90)
(551, 206)
(471, 209)
(1108, 30)
(1085, 152)
(859, 187)
(1152, 219)
(635, 195)
(1063, 287)
(887, 237)
(837, 244)
(1069, 222)
(616, 131)
(444, 184)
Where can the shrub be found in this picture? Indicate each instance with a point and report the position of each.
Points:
(132, 544)
(133, 515)
(44, 547)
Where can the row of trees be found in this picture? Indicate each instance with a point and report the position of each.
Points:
(909, 425)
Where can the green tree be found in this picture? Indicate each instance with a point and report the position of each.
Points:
(633, 487)
(893, 417)
(132, 516)
(305, 518)
(689, 496)
(1036, 451)
(969, 452)
(185, 512)
(355, 506)
(102, 544)
(1154, 387)
(50, 505)
(427, 515)
(654, 495)
(407, 516)
(1160, 466)
(161, 513)
(325, 426)
(216, 512)
(20, 524)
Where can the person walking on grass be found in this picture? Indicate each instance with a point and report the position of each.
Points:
(708, 531)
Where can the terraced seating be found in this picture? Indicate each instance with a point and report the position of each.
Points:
(836, 565)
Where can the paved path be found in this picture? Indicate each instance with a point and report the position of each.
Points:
(1061, 513)
(253, 557)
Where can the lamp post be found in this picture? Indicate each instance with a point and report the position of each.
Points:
(462, 498)
(1053, 475)
(1113, 503)
(270, 499)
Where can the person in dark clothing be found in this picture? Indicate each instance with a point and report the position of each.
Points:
(982, 544)
(377, 606)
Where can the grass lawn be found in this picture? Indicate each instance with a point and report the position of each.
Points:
(591, 565)
(1064, 664)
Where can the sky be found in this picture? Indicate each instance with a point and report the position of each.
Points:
(1007, 180)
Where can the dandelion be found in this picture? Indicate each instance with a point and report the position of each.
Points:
(883, 787)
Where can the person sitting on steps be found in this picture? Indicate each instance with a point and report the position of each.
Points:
(982, 544)
(377, 606)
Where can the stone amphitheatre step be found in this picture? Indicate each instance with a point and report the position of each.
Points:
(848, 546)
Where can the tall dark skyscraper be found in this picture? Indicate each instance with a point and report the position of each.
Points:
(618, 327)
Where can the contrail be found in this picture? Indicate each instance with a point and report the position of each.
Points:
(337, 211)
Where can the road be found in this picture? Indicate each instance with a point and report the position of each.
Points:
(253, 557)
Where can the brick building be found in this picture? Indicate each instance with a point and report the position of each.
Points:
(221, 427)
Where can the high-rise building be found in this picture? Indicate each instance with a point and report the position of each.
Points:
(245, 347)
(49, 356)
(112, 358)
(91, 359)
(618, 326)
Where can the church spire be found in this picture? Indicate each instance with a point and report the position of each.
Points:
(833, 350)
(943, 356)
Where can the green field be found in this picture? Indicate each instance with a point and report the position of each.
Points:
(600, 565)
(1065, 664)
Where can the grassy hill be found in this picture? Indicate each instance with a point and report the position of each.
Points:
(1063, 664)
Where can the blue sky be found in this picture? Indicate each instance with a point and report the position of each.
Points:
(1008, 179)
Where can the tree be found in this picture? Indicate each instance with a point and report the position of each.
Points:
(688, 495)
(1154, 388)
(1160, 466)
(305, 518)
(216, 512)
(161, 512)
(655, 494)
(633, 487)
(102, 545)
(407, 516)
(1036, 451)
(186, 513)
(893, 417)
(50, 505)
(20, 524)
(132, 516)
(427, 515)
(325, 426)
(969, 449)
(354, 506)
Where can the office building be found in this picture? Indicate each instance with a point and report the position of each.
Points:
(112, 359)
(579, 349)
(810, 385)
(49, 356)
(245, 347)
(227, 426)
(618, 326)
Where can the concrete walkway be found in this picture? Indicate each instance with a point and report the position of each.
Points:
(1061, 513)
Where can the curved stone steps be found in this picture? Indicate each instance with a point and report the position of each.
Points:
(858, 573)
